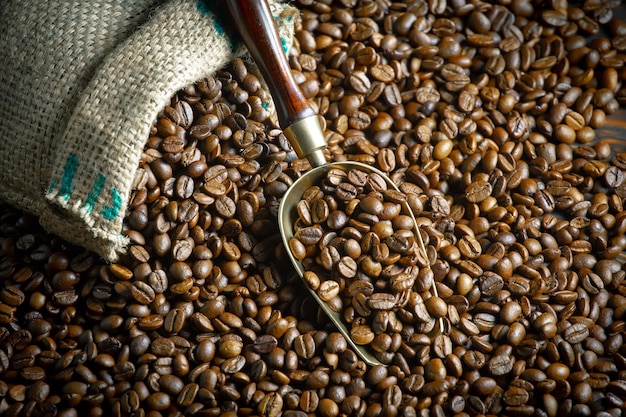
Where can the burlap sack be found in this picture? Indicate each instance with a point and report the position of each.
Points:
(80, 85)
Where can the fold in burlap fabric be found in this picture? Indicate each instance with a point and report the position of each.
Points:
(81, 83)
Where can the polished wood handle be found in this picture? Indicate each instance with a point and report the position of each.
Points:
(254, 22)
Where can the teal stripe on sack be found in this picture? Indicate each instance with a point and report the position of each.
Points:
(203, 7)
(207, 7)
(71, 165)
(221, 19)
(96, 189)
(112, 211)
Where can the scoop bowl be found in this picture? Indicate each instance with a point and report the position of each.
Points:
(287, 216)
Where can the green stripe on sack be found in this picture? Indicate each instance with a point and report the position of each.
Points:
(207, 7)
(221, 20)
(96, 189)
(71, 165)
(112, 211)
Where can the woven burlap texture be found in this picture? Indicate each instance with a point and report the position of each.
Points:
(81, 84)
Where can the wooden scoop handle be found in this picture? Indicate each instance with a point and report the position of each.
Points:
(296, 116)
(254, 22)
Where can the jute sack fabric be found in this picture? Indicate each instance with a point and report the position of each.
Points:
(81, 83)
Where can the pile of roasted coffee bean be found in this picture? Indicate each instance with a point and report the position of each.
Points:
(487, 112)
(358, 242)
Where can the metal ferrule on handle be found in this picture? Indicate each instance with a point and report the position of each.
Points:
(307, 138)
(296, 116)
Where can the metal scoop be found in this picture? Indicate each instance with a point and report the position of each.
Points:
(302, 127)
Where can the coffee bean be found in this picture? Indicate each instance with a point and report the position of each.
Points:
(328, 290)
(362, 335)
(142, 292)
(576, 333)
(478, 191)
(382, 73)
(359, 81)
